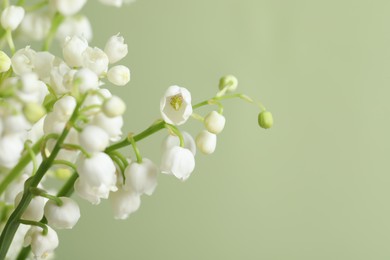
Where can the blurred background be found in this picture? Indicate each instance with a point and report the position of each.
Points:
(316, 186)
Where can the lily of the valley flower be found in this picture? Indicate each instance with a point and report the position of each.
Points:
(141, 177)
(119, 75)
(178, 161)
(41, 244)
(11, 17)
(73, 49)
(97, 177)
(68, 7)
(124, 202)
(64, 216)
(34, 210)
(214, 122)
(206, 142)
(114, 106)
(93, 139)
(175, 105)
(172, 140)
(115, 48)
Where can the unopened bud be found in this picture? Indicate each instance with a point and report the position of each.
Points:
(5, 62)
(114, 107)
(33, 112)
(229, 82)
(265, 119)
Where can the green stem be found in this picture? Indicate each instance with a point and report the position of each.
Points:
(39, 192)
(32, 155)
(34, 223)
(13, 222)
(214, 100)
(76, 147)
(135, 148)
(149, 131)
(66, 163)
(57, 20)
(10, 41)
(15, 172)
(177, 132)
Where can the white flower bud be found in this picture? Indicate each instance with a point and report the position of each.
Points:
(113, 107)
(141, 177)
(124, 202)
(206, 142)
(119, 75)
(96, 60)
(229, 82)
(43, 63)
(178, 161)
(35, 26)
(41, 245)
(172, 140)
(5, 62)
(64, 108)
(14, 189)
(11, 17)
(93, 139)
(115, 48)
(57, 75)
(73, 49)
(22, 61)
(175, 105)
(86, 80)
(68, 7)
(33, 111)
(34, 210)
(112, 125)
(214, 122)
(64, 216)
(75, 25)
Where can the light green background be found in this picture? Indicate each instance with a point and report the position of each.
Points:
(315, 187)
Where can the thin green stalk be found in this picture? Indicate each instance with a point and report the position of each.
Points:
(149, 131)
(16, 171)
(35, 223)
(57, 20)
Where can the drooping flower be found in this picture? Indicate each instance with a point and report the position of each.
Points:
(34, 210)
(206, 142)
(68, 7)
(172, 140)
(119, 75)
(114, 106)
(64, 216)
(214, 122)
(73, 49)
(175, 105)
(93, 139)
(141, 177)
(41, 244)
(178, 161)
(124, 202)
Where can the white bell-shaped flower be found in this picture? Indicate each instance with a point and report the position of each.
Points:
(43, 62)
(73, 49)
(11, 17)
(75, 25)
(64, 107)
(41, 244)
(97, 175)
(87, 79)
(119, 75)
(175, 105)
(214, 122)
(11, 148)
(32, 89)
(64, 216)
(115, 48)
(96, 60)
(5, 62)
(34, 210)
(68, 7)
(141, 177)
(178, 161)
(206, 142)
(89, 193)
(114, 106)
(172, 140)
(93, 139)
(112, 125)
(35, 26)
(124, 202)
(15, 124)
(57, 75)
(17, 242)
(22, 61)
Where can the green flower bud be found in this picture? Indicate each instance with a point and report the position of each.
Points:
(265, 119)
(33, 112)
(5, 62)
(229, 82)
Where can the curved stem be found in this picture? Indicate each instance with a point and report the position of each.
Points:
(135, 148)
(57, 20)
(34, 223)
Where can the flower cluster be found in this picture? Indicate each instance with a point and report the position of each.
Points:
(59, 120)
